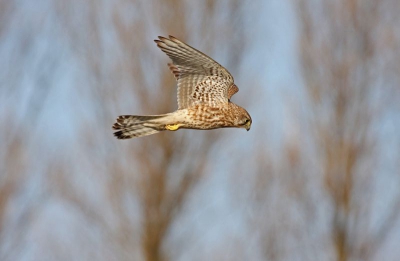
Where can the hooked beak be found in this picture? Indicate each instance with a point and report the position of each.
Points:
(248, 125)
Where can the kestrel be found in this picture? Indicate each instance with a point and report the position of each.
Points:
(205, 89)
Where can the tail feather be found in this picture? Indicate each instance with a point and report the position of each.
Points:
(131, 126)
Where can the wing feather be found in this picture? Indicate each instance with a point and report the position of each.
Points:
(192, 69)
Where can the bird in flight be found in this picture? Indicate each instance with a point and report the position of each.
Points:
(205, 89)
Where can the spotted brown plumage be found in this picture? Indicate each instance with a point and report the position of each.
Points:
(204, 91)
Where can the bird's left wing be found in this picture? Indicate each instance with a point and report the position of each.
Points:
(200, 78)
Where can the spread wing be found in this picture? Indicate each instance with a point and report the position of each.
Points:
(200, 78)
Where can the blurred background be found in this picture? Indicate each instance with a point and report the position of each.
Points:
(316, 178)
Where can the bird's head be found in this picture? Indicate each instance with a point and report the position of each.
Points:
(243, 119)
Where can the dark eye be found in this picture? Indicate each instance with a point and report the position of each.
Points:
(246, 121)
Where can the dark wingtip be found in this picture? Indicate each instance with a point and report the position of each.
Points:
(117, 134)
(158, 42)
(174, 39)
(174, 70)
(117, 126)
(120, 135)
(119, 122)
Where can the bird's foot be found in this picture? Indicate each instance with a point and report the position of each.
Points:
(172, 127)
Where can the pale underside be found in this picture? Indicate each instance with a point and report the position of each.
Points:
(201, 80)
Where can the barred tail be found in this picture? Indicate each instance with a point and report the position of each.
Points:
(131, 126)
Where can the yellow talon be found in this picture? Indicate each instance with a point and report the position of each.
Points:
(172, 127)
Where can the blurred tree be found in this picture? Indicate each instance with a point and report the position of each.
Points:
(325, 176)
(349, 58)
(18, 117)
